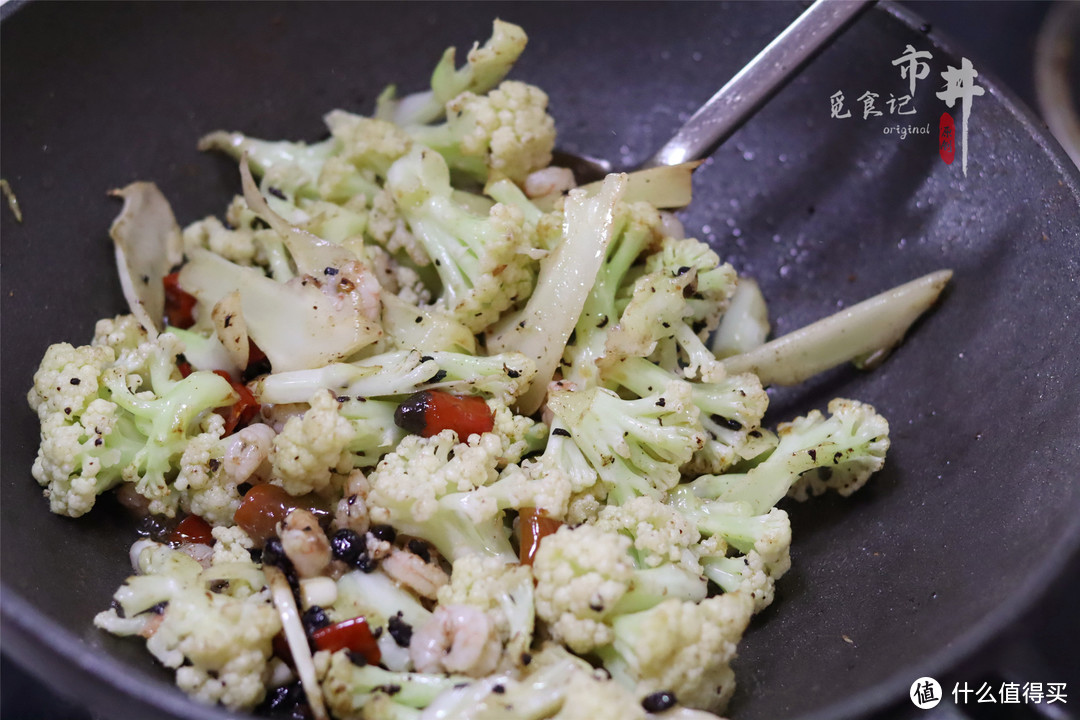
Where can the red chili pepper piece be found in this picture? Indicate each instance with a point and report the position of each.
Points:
(262, 508)
(192, 529)
(354, 635)
(185, 368)
(533, 526)
(243, 410)
(179, 305)
(429, 412)
(255, 353)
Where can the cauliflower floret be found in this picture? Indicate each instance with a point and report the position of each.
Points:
(520, 434)
(681, 647)
(232, 545)
(367, 143)
(581, 573)
(506, 133)
(219, 635)
(122, 332)
(422, 489)
(504, 592)
(106, 419)
(237, 246)
(220, 643)
(660, 533)
(311, 448)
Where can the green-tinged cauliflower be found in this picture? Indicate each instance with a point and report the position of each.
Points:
(504, 134)
(218, 642)
(486, 65)
(767, 534)
(587, 576)
(353, 691)
(403, 372)
(638, 227)
(505, 593)
(732, 407)
(368, 143)
(288, 167)
(107, 419)
(713, 284)
(684, 648)
(421, 489)
(654, 324)
(841, 452)
(636, 446)
(556, 686)
(485, 263)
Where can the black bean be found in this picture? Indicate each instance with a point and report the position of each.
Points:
(659, 701)
(347, 545)
(400, 630)
(314, 618)
(384, 532)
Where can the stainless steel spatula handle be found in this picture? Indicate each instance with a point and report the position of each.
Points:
(758, 81)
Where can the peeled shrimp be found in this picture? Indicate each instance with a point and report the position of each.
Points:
(457, 639)
(305, 543)
(248, 450)
(422, 577)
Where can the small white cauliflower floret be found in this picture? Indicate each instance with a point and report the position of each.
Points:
(520, 434)
(504, 592)
(220, 643)
(421, 470)
(681, 647)
(310, 448)
(508, 130)
(660, 533)
(123, 332)
(847, 470)
(232, 545)
(581, 573)
(226, 640)
(237, 246)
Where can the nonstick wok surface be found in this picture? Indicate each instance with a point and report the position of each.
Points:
(978, 506)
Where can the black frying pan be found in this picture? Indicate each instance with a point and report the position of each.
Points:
(978, 507)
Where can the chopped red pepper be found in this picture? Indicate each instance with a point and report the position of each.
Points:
(179, 304)
(354, 635)
(262, 508)
(255, 353)
(192, 529)
(241, 412)
(533, 526)
(429, 412)
(185, 368)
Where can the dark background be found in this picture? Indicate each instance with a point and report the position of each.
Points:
(999, 37)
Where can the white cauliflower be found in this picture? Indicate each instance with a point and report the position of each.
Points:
(311, 448)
